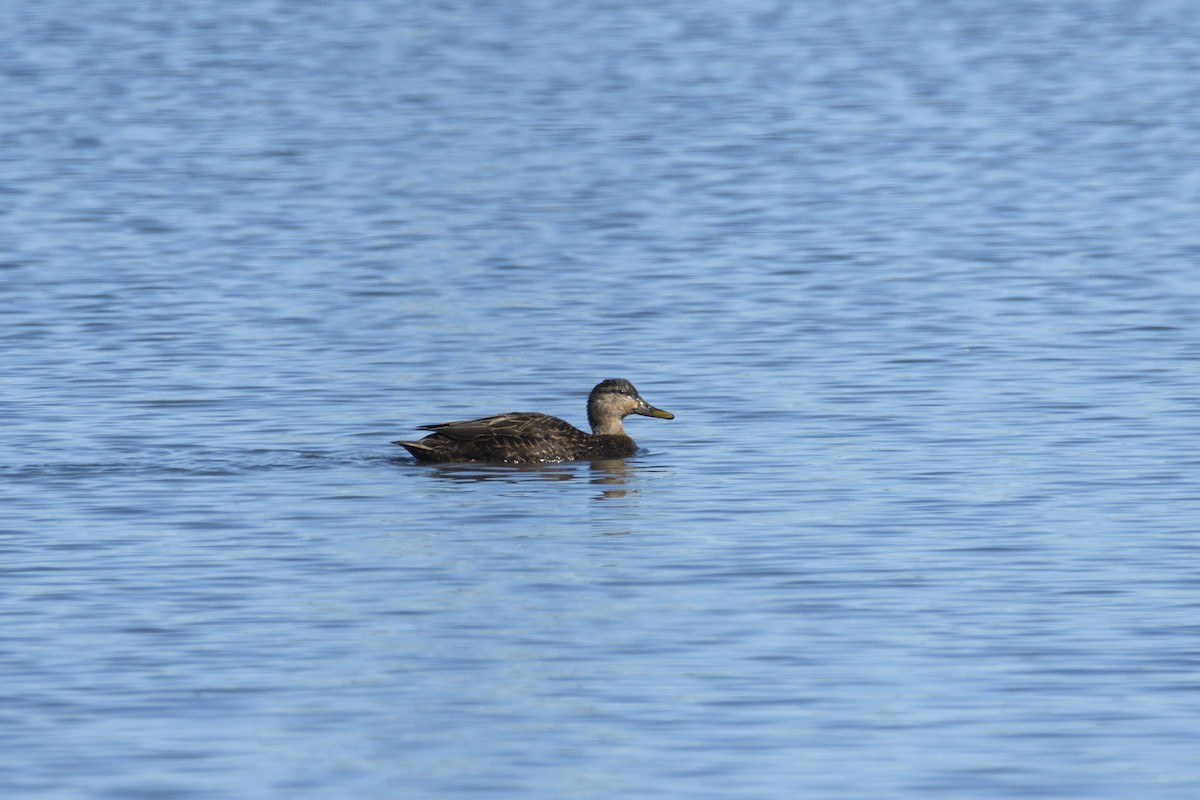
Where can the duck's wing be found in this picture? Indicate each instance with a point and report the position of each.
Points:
(519, 425)
(515, 437)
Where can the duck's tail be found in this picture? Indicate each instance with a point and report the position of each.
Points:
(421, 452)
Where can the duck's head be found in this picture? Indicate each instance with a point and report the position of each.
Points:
(613, 400)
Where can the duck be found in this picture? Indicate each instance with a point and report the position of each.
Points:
(529, 437)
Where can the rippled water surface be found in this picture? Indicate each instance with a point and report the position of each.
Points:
(920, 282)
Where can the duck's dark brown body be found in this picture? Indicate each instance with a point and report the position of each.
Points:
(517, 438)
(528, 437)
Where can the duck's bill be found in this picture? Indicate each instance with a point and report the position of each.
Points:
(647, 410)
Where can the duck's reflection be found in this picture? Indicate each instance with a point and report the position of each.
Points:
(613, 477)
(472, 472)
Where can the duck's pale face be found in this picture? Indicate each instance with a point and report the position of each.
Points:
(612, 401)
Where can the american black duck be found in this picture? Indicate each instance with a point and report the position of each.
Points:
(527, 437)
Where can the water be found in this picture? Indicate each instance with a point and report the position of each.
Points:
(917, 279)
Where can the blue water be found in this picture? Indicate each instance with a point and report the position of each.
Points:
(919, 281)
